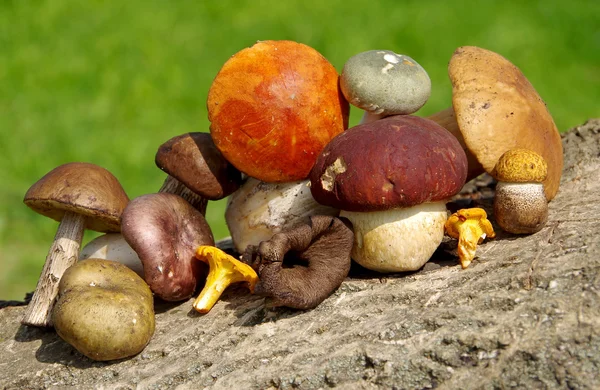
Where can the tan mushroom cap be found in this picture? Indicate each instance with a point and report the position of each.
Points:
(521, 166)
(83, 188)
(497, 109)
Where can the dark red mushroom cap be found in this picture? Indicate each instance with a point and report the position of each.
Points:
(194, 160)
(399, 161)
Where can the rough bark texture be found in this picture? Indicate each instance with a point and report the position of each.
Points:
(525, 314)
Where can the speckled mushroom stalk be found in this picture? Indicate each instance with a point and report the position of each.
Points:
(520, 204)
(80, 196)
(384, 83)
(258, 210)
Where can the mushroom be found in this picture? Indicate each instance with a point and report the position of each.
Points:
(165, 230)
(258, 210)
(196, 169)
(112, 246)
(301, 267)
(384, 83)
(391, 178)
(470, 227)
(79, 196)
(104, 310)
(495, 109)
(273, 107)
(520, 206)
(223, 271)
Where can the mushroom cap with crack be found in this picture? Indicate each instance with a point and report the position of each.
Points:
(385, 83)
(497, 109)
(194, 160)
(82, 188)
(165, 230)
(398, 161)
(273, 107)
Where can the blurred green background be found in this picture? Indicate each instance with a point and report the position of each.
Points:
(108, 83)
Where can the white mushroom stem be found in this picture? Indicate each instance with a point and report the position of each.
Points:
(112, 246)
(520, 208)
(258, 210)
(397, 240)
(173, 186)
(369, 117)
(62, 254)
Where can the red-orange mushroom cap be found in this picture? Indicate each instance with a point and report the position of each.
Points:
(273, 107)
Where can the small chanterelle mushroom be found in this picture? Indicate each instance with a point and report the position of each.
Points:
(520, 206)
(224, 270)
(471, 227)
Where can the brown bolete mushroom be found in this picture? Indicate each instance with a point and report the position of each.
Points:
(258, 210)
(273, 107)
(104, 310)
(196, 169)
(391, 178)
(495, 109)
(384, 83)
(300, 267)
(520, 206)
(470, 227)
(80, 196)
(165, 230)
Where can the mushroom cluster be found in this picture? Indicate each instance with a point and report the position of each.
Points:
(306, 194)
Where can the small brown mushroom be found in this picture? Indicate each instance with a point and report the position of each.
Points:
(197, 170)
(165, 230)
(79, 195)
(320, 250)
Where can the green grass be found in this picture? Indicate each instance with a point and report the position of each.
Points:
(105, 83)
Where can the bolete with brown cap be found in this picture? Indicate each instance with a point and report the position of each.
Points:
(273, 107)
(80, 196)
(520, 206)
(495, 109)
(384, 83)
(391, 178)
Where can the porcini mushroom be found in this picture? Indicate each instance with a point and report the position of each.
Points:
(273, 107)
(258, 210)
(223, 271)
(196, 169)
(391, 178)
(165, 230)
(80, 196)
(384, 83)
(104, 310)
(470, 227)
(495, 109)
(301, 267)
(520, 206)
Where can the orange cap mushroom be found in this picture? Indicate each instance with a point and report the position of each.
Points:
(471, 227)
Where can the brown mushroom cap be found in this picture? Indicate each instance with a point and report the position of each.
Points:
(165, 230)
(82, 188)
(498, 109)
(399, 161)
(195, 161)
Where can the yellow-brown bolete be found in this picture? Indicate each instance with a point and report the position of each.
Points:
(80, 196)
(520, 206)
(495, 109)
(470, 227)
(223, 271)
(104, 310)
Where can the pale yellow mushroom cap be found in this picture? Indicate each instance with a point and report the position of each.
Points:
(520, 166)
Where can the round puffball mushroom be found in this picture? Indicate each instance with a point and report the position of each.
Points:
(104, 310)
(196, 169)
(391, 178)
(520, 204)
(258, 210)
(273, 107)
(495, 109)
(80, 196)
(384, 83)
(165, 230)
